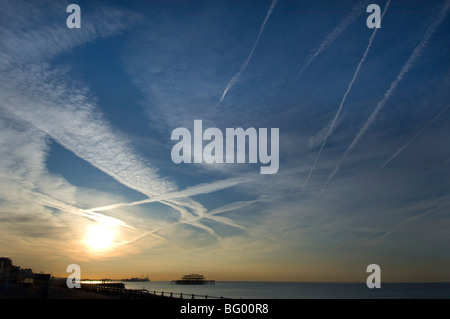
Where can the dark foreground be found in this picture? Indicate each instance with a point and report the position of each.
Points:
(87, 291)
(166, 307)
(51, 292)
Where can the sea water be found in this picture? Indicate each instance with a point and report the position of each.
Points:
(298, 290)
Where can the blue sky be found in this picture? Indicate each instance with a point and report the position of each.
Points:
(86, 117)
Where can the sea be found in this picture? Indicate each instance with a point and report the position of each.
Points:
(297, 290)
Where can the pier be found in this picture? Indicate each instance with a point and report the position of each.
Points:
(193, 279)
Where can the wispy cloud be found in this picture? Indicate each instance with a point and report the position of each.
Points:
(236, 77)
(330, 128)
(227, 208)
(414, 55)
(31, 36)
(72, 122)
(66, 114)
(190, 219)
(25, 182)
(318, 138)
(357, 10)
(190, 191)
(350, 85)
(376, 235)
(401, 149)
(42, 97)
(410, 219)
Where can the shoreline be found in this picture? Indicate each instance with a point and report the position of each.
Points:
(87, 291)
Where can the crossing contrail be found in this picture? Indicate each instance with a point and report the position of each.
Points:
(417, 51)
(415, 136)
(355, 75)
(189, 191)
(236, 77)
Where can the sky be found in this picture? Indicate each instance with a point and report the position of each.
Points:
(86, 122)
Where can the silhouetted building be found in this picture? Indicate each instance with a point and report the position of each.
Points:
(26, 272)
(5, 267)
(26, 277)
(14, 273)
(41, 279)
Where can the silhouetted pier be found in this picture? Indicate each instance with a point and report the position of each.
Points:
(193, 279)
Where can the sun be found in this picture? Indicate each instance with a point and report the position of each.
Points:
(99, 237)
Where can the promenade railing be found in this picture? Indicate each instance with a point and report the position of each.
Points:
(142, 293)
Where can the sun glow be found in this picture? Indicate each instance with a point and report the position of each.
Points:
(100, 237)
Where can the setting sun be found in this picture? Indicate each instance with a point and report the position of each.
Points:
(100, 237)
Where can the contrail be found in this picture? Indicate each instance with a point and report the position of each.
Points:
(235, 78)
(51, 201)
(355, 75)
(417, 51)
(413, 218)
(190, 191)
(189, 218)
(317, 139)
(186, 217)
(394, 229)
(355, 13)
(210, 215)
(41, 96)
(415, 136)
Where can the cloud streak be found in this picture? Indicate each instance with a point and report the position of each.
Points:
(190, 191)
(31, 37)
(355, 75)
(318, 138)
(44, 97)
(432, 210)
(194, 220)
(71, 119)
(414, 55)
(401, 149)
(352, 16)
(236, 77)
